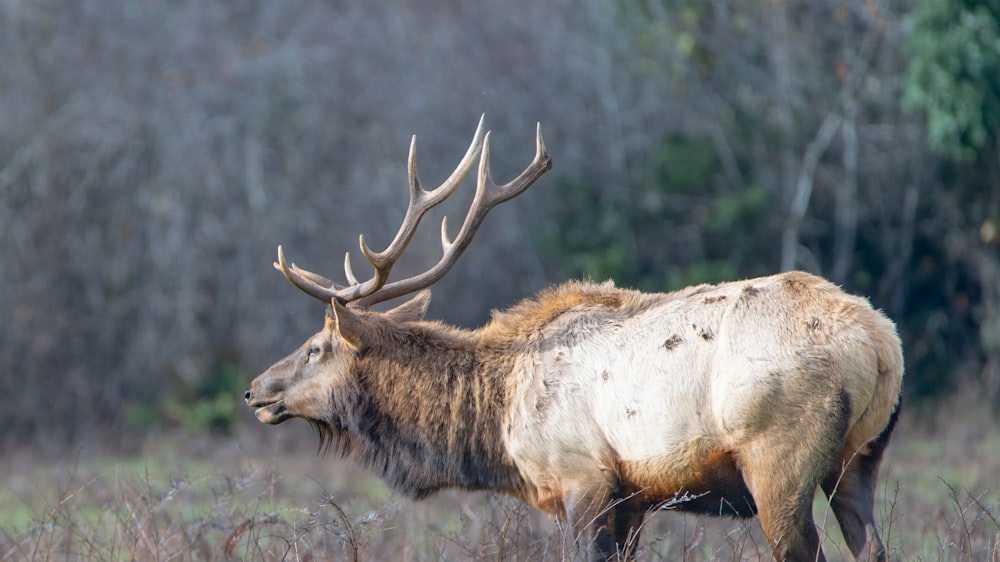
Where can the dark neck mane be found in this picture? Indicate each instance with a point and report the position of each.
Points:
(427, 415)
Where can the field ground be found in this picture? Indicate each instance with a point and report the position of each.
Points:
(265, 495)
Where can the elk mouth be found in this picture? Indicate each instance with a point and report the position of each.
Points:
(271, 413)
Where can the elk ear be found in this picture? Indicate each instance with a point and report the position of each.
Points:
(350, 326)
(413, 309)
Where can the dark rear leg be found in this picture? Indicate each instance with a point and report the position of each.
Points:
(603, 525)
(851, 490)
(627, 526)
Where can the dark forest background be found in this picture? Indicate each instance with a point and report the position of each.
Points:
(154, 154)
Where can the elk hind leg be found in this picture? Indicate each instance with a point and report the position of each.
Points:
(851, 489)
(783, 469)
(785, 513)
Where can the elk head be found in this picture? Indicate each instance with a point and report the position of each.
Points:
(315, 381)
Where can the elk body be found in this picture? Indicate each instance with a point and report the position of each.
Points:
(599, 404)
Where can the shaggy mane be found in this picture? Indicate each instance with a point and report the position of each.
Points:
(533, 314)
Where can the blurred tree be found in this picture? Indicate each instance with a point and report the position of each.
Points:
(772, 94)
(953, 83)
(953, 75)
(152, 156)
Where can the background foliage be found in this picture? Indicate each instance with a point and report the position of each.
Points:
(153, 155)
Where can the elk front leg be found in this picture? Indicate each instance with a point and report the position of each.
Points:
(603, 526)
(590, 533)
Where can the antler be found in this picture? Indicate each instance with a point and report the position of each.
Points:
(488, 195)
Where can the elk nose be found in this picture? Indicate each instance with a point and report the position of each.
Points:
(246, 396)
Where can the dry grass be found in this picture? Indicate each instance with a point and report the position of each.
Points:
(264, 497)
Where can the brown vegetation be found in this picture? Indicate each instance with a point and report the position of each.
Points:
(266, 496)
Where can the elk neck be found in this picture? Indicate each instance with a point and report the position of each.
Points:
(429, 412)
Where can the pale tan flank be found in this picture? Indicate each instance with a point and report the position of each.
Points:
(600, 404)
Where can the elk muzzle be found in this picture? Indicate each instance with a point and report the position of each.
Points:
(270, 406)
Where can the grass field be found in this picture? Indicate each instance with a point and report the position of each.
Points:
(265, 495)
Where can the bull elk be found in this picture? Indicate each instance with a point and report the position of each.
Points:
(600, 404)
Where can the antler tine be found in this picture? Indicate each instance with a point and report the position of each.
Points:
(497, 194)
(445, 242)
(311, 283)
(488, 195)
(421, 201)
(347, 269)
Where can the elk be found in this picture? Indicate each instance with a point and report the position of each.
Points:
(600, 404)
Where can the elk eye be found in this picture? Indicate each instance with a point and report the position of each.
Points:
(314, 352)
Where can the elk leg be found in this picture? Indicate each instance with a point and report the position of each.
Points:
(851, 494)
(785, 512)
(782, 475)
(592, 515)
(851, 490)
(786, 518)
(628, 524)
